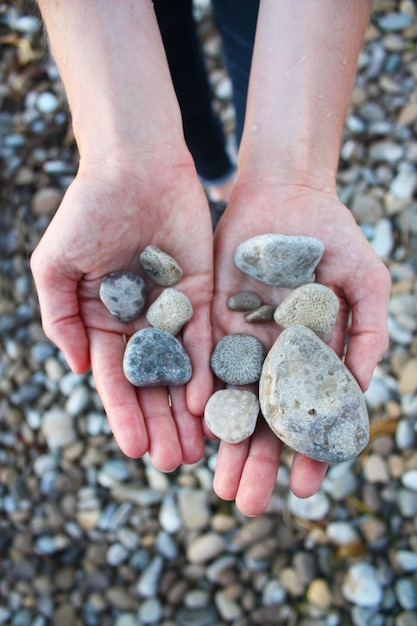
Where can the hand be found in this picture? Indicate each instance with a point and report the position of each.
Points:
(247, 471)
(108, 216)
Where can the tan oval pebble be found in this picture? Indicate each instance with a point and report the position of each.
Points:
(231, 414)
(244, 301)
(313, 305)
(311, 400)
(160, 266)
(170, 311)
(407, 380)
(264, 313)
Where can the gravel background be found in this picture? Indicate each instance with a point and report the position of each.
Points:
(88, 536)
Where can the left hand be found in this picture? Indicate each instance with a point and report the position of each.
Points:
(247, 471)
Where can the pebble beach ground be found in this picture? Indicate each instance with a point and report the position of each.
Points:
(88, 536)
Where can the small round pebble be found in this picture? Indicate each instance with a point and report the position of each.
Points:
(313, 305)
(264, 313)
(170, 311)
(123, 294)
(231, 414)
(154, 358)
(160, 266)
(244, 301)
(237, 359)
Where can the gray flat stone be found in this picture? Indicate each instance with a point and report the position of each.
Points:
(123, 294)
(237, 359)
(313, 305)
(264, 313)
(155, 358)
(231, 414)
(170, 311)
(160, 266)
(244, 301)
(280, 260)
(310, 399)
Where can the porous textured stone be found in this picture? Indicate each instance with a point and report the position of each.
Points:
(160, 266)
(237, 359)
(154, 358)
(313, 305)
(123, 294)
(311, 400)
(244, 301)
(231, 414)
(170, 311)
(280, 260)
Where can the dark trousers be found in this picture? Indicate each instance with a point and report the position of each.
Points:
(236, 20)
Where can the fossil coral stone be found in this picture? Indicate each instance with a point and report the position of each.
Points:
(123, 294)
(244, 301)
(310, 399)
(313, 305)
(160, 266)
(154, 358)
(170, 311)
(280, 260)
(231, 414)
(263, 313)
(237, 359)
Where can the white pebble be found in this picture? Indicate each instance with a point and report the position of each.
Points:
(361, 585)
(170, 311)
(315, 507)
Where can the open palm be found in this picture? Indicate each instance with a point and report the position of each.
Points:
(102, 225)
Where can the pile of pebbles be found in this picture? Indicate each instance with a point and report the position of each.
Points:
(88, 536)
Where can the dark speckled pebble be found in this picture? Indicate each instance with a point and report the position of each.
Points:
(123, 294)
(156, 358)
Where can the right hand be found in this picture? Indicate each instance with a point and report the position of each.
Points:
(109, 214)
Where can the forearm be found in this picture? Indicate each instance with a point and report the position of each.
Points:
(302, 74)
(112, 62)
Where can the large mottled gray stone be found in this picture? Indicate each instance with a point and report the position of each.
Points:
(170, 311)
(160, 266)
(310, 399)
(123, 294)
(231, 414)
(280, 260)
(155, 358)
(313, 305)
(237, 359)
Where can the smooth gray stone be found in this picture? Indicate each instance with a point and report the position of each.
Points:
(123, 294)
(310, 399)
(237, 359)
(280, 260)
(313, 305)
(264, 313)
(231, 414)
(155, 358)
(160, 266)
(244, 301)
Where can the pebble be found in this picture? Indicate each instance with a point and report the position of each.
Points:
(310, 399)
(315, 507)
(170, 311)
(244, 301)
(46, 200)
(280, 260)
(160, 266)
(205, 547)
(154, 357)
(237, 359)
(314, 306)
(193, 507)
(58, 429)
(407, 560)
(123, 294)
(361, 585)
(231, 414)
(264, 313)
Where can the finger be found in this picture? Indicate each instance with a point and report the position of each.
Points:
(164, 445)
(306, 475)
(259, 473)
(117, 394)
(189, 427)
(198, 343)
(231, 458)
(59, 306)
(369, 333)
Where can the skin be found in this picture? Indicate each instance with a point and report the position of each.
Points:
(137, 186)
